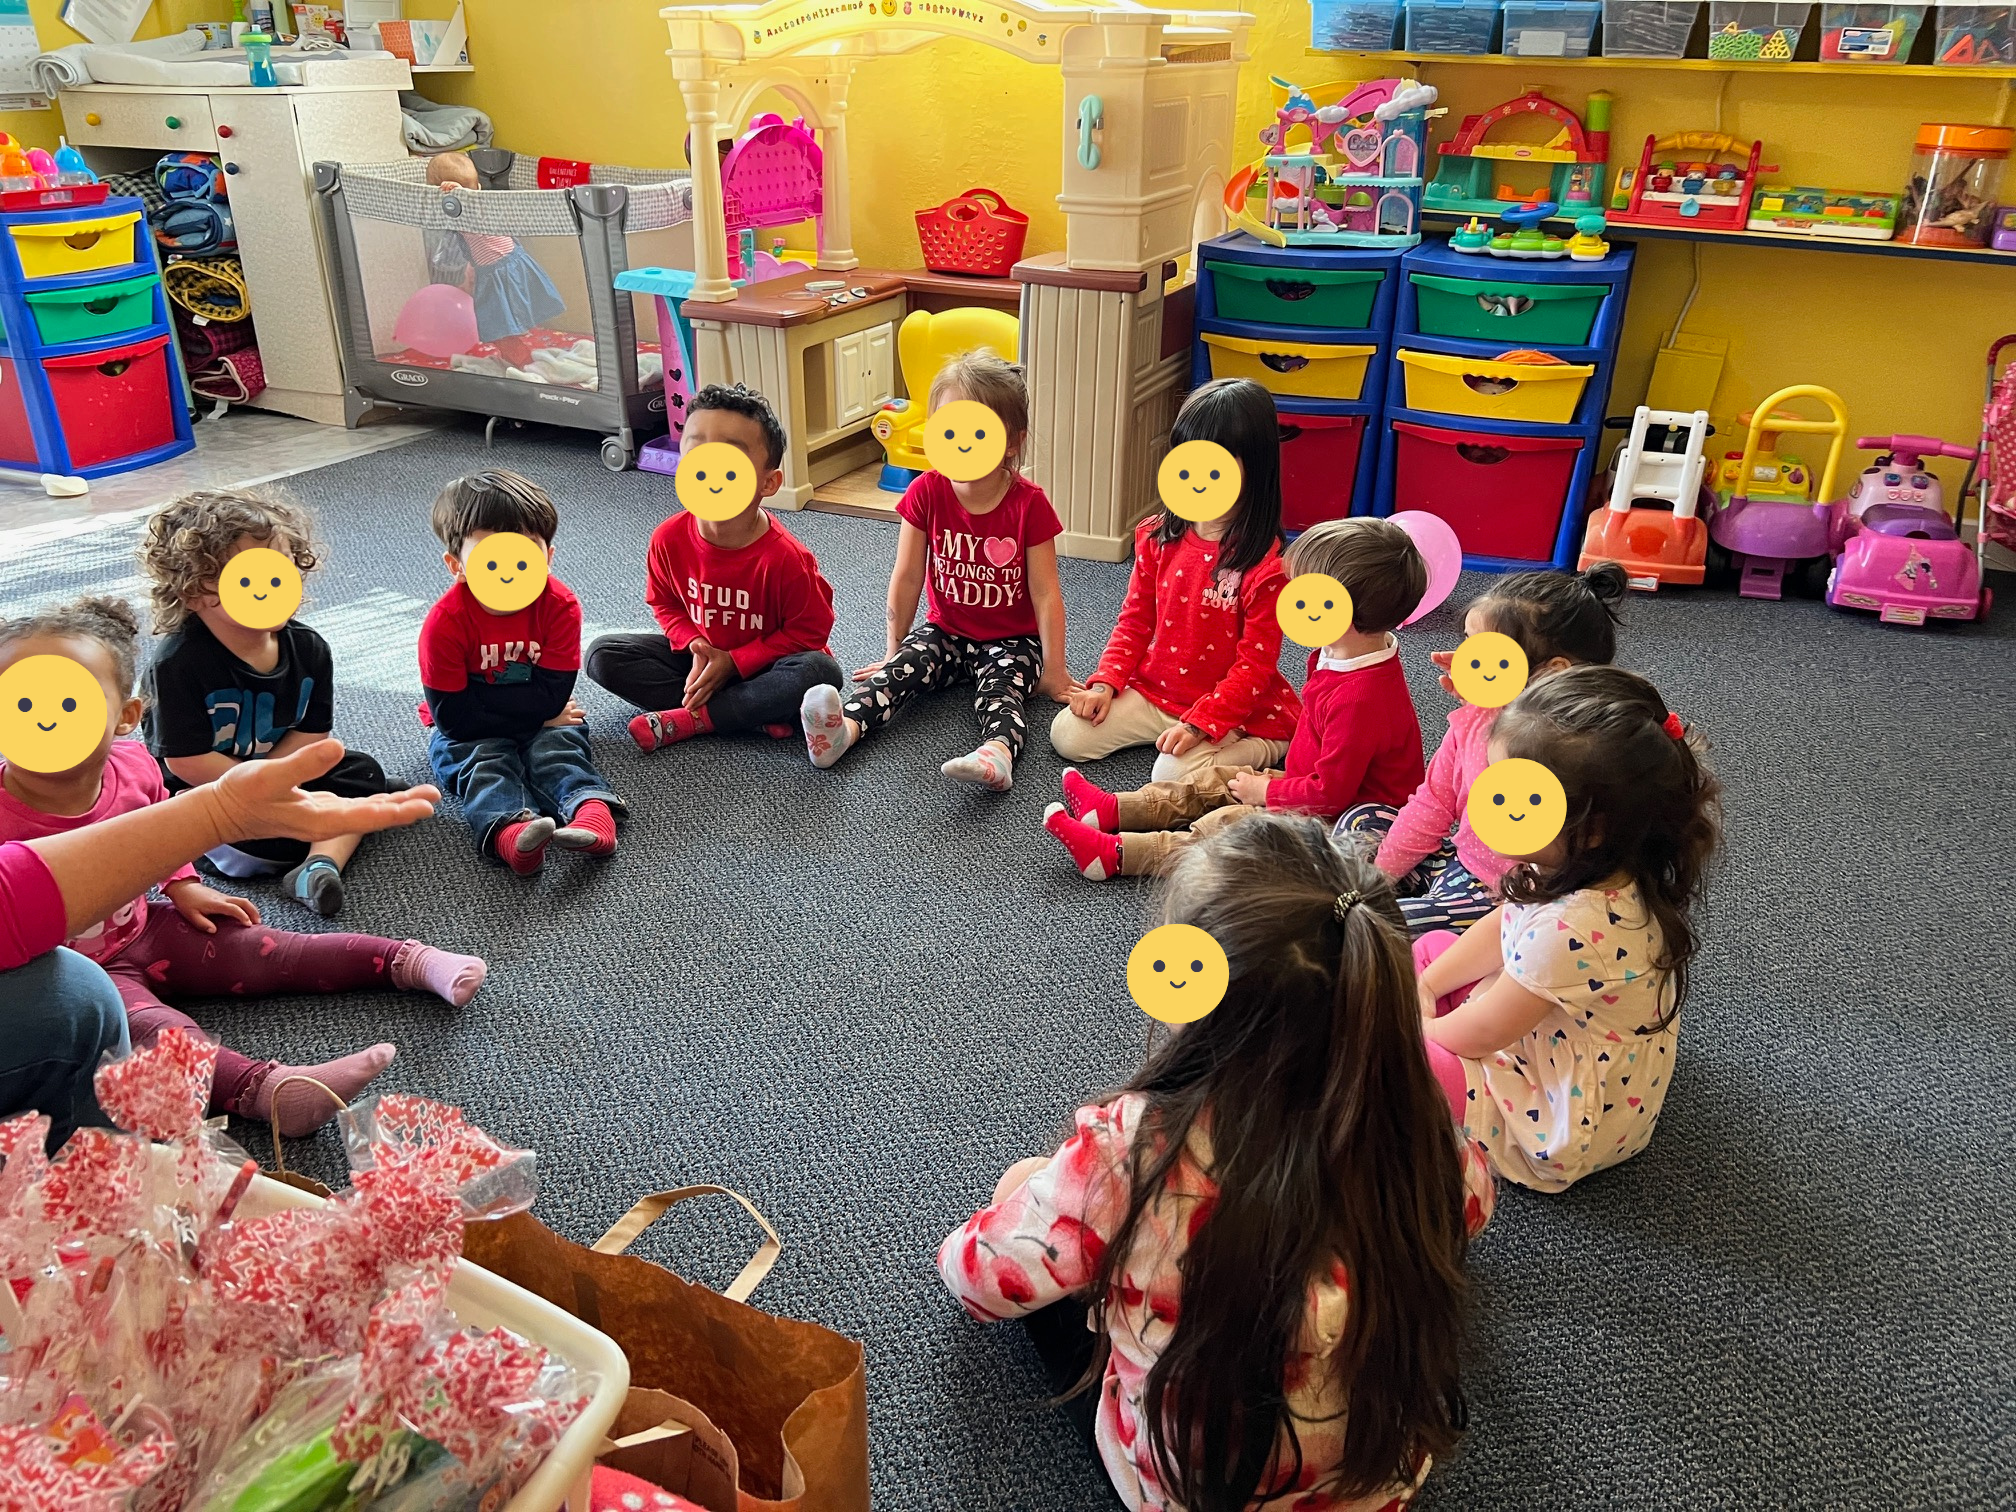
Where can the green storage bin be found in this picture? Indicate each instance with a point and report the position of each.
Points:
(96, 312)
(1485, 309)
(1334, 298)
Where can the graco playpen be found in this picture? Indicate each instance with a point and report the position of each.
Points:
(439, 307)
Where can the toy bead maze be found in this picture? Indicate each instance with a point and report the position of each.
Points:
(1468, 173)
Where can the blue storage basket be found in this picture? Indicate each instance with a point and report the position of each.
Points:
(1451, 26)
(1353, 25)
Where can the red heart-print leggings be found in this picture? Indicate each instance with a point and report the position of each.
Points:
(171, 958)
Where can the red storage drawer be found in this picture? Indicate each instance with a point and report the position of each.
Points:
(1503, 495)
(113, 403)
(1319, 467)
(17, 441)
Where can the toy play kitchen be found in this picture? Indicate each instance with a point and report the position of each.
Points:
(1900, 554)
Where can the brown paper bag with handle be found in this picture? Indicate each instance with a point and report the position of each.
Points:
(785, 1402)
(668, 1442)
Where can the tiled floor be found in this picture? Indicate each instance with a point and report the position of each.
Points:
(242, 448)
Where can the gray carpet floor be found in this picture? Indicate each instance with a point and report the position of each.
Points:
(857, 995)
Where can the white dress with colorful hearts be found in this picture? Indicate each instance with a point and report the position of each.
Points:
(1582, 1091)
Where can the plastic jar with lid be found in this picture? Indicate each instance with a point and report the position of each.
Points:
(1956, 182)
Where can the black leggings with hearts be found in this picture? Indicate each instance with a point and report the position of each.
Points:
(1003, 673)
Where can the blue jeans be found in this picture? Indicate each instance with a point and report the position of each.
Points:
(506, 778)
(61, 1014)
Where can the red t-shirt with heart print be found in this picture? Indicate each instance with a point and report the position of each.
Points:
(976, 574)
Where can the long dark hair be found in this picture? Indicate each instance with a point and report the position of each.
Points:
(1642, 801)
(1330, 1142)
(1564, 614)
(1240, 416)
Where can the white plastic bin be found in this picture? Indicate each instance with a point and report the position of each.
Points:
(1648, 28)
(1973, 36)
(1550, 28)
(1869, 33)
(1755, 31)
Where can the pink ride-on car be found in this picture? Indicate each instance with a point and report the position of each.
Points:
(1899, 555)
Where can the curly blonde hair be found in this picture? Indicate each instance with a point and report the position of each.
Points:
(189, 540)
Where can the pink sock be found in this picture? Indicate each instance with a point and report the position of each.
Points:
(779, 731)
(521, 845)
(303, 1107)
(1094, 852)
(1089, 803)
(422, 968)
(592, 830)
(669, 727)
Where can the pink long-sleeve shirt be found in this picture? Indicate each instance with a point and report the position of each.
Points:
(31, 907)
(1437, 804)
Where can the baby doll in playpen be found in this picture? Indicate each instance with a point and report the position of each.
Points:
(512, 293)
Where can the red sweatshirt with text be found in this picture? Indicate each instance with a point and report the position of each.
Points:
(757, 602)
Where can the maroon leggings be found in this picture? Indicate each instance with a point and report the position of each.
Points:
(171, 958)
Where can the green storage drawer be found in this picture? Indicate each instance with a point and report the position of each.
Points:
(96, 312)
(1337, 298)
(1493, 309)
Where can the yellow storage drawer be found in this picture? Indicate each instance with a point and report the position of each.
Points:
(1293, 369)
(58, 249)
(1489, 389)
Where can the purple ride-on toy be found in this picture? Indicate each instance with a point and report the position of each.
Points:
(1899, 554)
(1768, 538)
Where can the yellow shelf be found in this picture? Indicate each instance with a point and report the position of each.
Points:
(1690, 65)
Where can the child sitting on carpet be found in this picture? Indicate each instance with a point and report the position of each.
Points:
(984, 553)
(1552, 1022)
(744, 609)
(219, 692)
(202, 943)
(1265, 1230)
(509, 739)
(1559, 620)
(512, 294)
(1358, 739)
(1193, 664)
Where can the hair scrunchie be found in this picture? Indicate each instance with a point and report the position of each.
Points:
(1674, 727)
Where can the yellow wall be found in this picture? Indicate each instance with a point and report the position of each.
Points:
(1901, 340)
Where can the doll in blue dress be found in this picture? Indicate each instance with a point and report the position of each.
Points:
(512, 293)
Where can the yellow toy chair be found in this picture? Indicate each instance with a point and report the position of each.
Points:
(925, 343)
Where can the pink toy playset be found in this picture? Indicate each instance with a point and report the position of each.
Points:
(1355, 183)
(774, 175)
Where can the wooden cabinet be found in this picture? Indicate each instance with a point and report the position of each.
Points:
(269, 141)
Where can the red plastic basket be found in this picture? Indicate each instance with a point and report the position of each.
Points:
(976, 232)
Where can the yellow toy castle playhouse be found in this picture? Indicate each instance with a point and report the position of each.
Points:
(1147, 141)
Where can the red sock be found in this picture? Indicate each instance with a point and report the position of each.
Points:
(521, 845)
(1094, 852)
(779, 731)
(669, 727)
(592, 830)
(1089, 803)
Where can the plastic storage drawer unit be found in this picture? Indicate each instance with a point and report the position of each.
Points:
(1331, 298)
(1495, 309)
(1550, 28)
(114, 403)
(58, 249)
(1974, 36)
(1755, 31)
(1353, 25)
(1648, 28)
(1869, 33)
(94, 312)
(1319, 467)
(1451, 26)
(1503, 495)
(1292, 369)
(1484, 389)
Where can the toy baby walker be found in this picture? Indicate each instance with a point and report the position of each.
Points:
(1766, 537)
(1468, 166)
(1357, 180)
(1696, 192)
(1765, 472)
(1900, 555)
(1663, 539)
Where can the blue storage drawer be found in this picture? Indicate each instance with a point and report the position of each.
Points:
(1550, 28)
(1353, 25)
(1451, 26)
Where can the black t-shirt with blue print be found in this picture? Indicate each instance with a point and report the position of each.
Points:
(201, 698)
